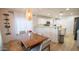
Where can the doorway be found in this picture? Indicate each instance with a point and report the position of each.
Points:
(76, 27)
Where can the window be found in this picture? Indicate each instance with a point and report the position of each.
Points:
(22, 24)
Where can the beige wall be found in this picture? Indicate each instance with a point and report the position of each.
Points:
(2, 28)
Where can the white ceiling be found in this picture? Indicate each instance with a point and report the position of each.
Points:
(52, 12)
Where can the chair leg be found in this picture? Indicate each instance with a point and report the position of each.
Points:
(49, 47)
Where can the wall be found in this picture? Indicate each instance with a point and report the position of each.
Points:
(68, 23)
(6, 38)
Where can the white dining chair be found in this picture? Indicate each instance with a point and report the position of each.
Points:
(42, 47)
(45, 44)
(22, 32)
(36, 48)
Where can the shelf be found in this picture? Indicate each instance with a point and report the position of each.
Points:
(6, 14)
(8, 33)
(6, 19)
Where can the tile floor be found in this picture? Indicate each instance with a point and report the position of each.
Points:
(68, 45)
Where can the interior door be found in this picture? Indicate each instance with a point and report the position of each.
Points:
(76, 27)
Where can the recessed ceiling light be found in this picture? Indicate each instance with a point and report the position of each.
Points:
(67, 9)
(56, 16)
(60, 14)
(48, 14)
(71, 13)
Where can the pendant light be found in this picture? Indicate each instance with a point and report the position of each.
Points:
(29, 13)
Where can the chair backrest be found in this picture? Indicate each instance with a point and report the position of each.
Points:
(45, 44)
(22, 32)
(21, 35)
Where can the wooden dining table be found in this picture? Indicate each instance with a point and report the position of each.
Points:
(34, 40)
(28, 43)
(15, 45)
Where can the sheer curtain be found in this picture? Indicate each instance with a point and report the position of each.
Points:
(21, 24)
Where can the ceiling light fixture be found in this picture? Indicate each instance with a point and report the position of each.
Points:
(29, 13)
(71, 13)
(67, 9)
(56, 16)
(48, 14)
(60, 14)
